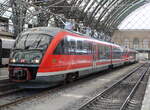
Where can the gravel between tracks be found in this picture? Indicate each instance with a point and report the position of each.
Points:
(70, 98)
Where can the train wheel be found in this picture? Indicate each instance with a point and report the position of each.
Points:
(71, 77)
(111, 67)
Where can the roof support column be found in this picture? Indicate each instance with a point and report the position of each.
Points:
(18, 16)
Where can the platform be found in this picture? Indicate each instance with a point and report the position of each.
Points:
(146, 100)
(3, 73)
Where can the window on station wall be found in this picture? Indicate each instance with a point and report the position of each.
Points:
(5, 53)
(145, 43)
(126, 43)
(103, 52)
(116, 53)
(135, 43)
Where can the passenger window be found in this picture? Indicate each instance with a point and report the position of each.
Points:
(66, 47)
(103, 52)
(79, 47)
(72, 49)
(116, 53)
(71, 46)
(107, 49)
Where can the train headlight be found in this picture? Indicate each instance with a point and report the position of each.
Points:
(37, 61)
(12, 60)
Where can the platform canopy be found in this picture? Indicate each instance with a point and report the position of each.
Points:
(102, 15)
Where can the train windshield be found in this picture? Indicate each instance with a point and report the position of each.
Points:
(32, 41)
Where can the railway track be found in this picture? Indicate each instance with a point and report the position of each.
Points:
(118, 96)
(17, 96)
(29, 95)
(7, 87)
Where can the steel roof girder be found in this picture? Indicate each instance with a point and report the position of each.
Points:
(121, 18)
(86, 4)
(111, 12)
(121, 13)
(117, 12)
(99, 7)
(105, 11)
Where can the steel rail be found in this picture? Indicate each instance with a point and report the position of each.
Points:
(20, 100)
(112, 86)
(40, 94)
(12, 91)
(133, 90)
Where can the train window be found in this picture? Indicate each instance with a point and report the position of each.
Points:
(60, 48)
(66, 47)
(79, 44)
(107, 49)
(33, 41)
(72, 49)
(71, 46)
(83, 47)
(116, 53)
(87, 47)
(103, 52)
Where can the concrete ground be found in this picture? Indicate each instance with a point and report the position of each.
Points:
(70, 98)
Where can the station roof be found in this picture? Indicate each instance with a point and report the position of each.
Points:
(103, 15)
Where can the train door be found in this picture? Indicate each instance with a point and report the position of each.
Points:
(94, 56)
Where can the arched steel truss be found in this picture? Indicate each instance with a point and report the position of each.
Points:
(102, 15)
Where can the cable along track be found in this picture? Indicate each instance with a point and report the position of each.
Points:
(119, 94)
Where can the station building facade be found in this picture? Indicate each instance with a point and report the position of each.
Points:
(135, 39)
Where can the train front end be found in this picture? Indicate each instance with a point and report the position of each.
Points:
(27, 55)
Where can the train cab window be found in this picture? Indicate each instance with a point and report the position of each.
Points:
(33, 41)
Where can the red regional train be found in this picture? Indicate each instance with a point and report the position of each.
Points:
(52, 54)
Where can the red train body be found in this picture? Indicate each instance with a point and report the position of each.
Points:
(53, 54)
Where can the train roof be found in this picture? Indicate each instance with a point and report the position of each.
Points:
(54, 30)
(47, 30)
